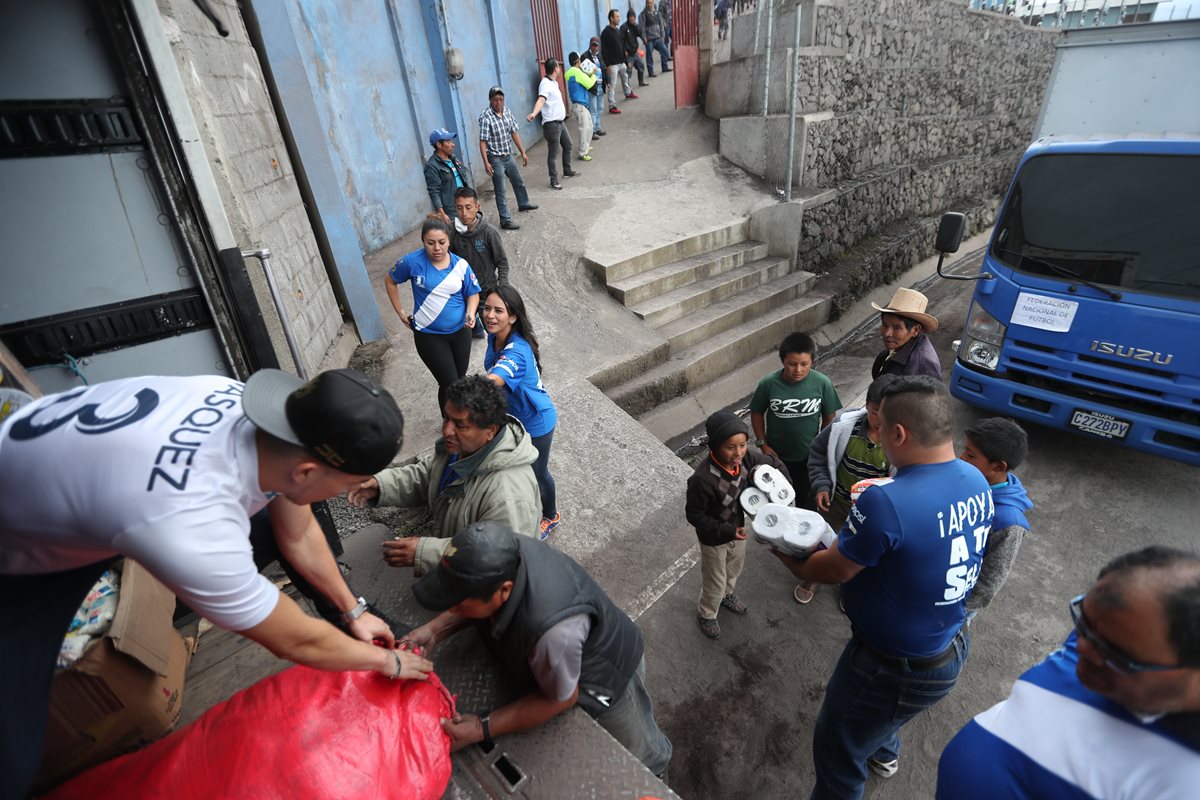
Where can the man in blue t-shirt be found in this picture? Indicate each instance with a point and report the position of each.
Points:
(909, 554)
(1114, 712)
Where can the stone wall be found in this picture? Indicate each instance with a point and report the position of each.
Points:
(920, 82)
(855, 250)
(909, 108)
(928, 111)
(254, 175)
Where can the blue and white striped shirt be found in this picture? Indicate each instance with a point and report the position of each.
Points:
(439, 295)
(1055, 738)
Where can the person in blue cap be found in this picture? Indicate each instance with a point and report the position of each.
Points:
(444, 174)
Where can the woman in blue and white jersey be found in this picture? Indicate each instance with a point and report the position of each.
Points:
(445, 297)
(513, 363)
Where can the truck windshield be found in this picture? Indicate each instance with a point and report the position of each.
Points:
(1125, 221)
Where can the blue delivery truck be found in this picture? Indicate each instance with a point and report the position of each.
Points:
(1086, 314)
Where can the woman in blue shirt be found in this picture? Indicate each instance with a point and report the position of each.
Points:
(445, 296)
(513, 363)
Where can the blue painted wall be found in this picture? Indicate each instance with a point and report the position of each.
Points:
(579, 22)
(376, 72)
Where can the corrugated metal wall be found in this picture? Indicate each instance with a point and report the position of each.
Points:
(685, 44)
(547, 36)
(685, 22)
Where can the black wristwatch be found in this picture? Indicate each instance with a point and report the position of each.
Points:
(485, 723)
(356, 612)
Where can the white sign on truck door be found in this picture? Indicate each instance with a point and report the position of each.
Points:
(1044, 313)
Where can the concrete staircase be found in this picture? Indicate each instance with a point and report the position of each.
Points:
(719, 300)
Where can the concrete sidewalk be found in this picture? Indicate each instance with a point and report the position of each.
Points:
(654, 179)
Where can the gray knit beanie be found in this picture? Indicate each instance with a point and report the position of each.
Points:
(722, 425)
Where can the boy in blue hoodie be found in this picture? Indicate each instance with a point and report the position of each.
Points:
(994, 446)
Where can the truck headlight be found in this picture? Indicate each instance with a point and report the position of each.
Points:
(983, 336)
(982, 354)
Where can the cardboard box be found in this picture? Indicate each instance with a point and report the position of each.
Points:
(127, 688)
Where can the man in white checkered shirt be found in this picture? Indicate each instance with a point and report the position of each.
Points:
(497, 134)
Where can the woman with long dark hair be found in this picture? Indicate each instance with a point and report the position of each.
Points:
(445, 296)
(513, 363)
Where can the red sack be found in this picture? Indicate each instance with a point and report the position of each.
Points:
(302, 733)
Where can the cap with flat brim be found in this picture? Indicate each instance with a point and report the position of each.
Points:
(264, 401)
(340, 416)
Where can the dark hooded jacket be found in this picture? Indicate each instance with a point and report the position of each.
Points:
(482, 248)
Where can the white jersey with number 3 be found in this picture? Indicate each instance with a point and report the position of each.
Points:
(161, 469)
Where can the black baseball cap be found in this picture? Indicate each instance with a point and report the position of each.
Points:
(341, 416)
(495, 90)
(479, 558)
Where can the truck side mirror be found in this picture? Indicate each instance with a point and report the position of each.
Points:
(950, 232)
(949, 237)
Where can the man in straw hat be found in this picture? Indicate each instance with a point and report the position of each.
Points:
(905, 328)
(168, 471)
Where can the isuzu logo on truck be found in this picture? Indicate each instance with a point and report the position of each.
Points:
(1132, 353)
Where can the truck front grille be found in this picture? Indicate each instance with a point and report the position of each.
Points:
(1098, 395)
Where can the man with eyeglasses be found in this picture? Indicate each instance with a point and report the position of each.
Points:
(1114, 712)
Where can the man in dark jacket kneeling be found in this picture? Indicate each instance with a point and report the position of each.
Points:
(553, 627)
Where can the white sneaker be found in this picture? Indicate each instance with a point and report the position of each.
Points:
(884, 769)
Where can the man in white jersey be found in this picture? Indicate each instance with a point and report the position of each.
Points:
(1114, 712)
(168, 471)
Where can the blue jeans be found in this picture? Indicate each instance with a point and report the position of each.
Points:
(866, 703)
(664, 55)
(507, 165)
(595, 104)
(541, 470)
(630, 720)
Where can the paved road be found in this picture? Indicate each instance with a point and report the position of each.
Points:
(740, 710)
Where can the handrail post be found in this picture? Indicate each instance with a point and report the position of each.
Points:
(792, 106)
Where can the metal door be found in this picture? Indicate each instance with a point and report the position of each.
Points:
(685, 41)
(547, 37)
(96, 282)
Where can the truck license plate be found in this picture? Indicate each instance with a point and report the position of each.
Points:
(1099, 424)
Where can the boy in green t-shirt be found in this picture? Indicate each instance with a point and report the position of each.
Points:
(790, 407)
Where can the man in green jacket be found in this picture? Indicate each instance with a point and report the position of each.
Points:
(480, 470)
